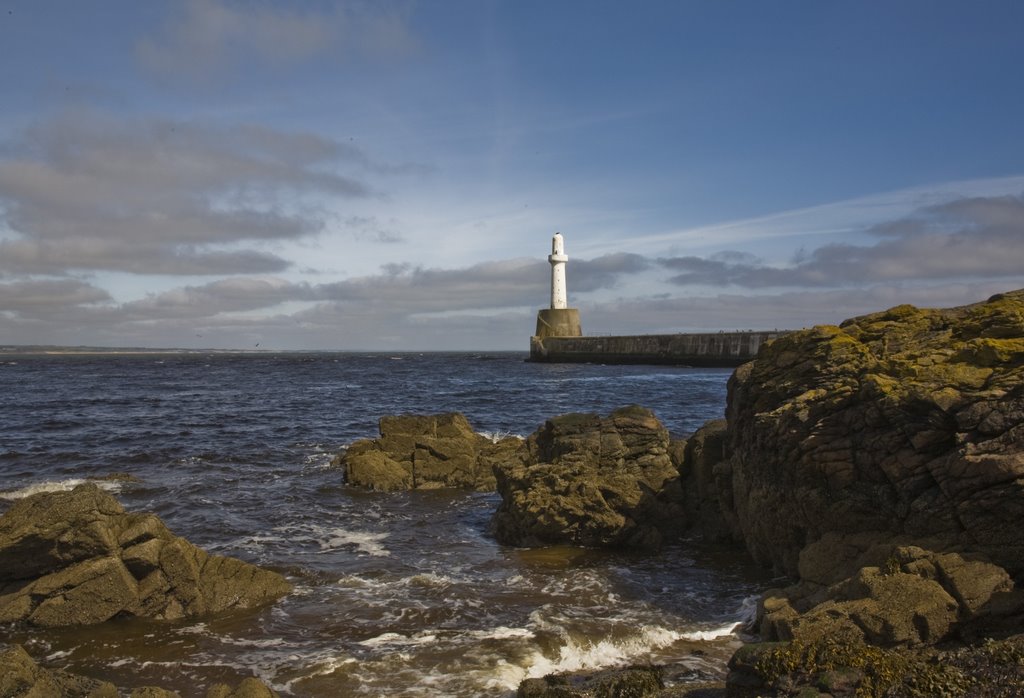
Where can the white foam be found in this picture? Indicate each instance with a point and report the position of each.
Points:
(498, 435)
(397, 639)
(326, 666)
(59, 486)
(428, 579)
(578, 656)
(364, 541)
(711, 634)
(502, 632)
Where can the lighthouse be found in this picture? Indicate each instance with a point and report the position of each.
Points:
(559, 320)
(558, 258)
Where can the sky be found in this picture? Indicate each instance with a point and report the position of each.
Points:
(388, 175)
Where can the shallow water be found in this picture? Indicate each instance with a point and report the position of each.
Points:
(395, 594)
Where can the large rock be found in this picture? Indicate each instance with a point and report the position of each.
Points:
(76, 558)
(427, 452)
(908, 422)
(881, 464)
(592, 481)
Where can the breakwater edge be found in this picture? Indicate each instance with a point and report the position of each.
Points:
(707, 350)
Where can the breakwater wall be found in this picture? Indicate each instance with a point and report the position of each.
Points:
(725, 349)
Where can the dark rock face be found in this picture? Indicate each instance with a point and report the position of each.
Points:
(21, 677)
(592, 481)
(907, 422)
(76, 558)
(427, 452)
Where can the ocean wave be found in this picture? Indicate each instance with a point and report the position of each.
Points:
(711, 633)
(67, 485)
(363, 541)
(500, 434)
(397, 639)
(581, 654)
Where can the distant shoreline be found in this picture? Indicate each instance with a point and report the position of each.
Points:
(37, 350)
(95, 351)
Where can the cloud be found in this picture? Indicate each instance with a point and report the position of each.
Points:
(969, 238)
(93, 191)
(372, 229)
(766, 311)
(604, 271)
(42, 297)
(209, 40)
(210, 300)
(409, 289)
(399, 296)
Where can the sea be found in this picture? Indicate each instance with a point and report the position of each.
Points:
(395, 594)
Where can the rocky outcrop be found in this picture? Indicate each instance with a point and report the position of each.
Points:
(21, 677)
(896, 595)
(77, 558)
(592, 481)
(427, 452)
(907, 422)
(880, 464)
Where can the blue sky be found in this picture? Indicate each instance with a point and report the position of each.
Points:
(388, 175)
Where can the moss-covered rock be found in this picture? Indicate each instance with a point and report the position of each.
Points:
(907, 422)
(845, 668)
(427, 452)
(592, 481)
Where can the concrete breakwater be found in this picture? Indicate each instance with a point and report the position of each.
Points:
(704, 349)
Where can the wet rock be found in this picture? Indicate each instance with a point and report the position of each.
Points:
(427, 452)
(22, 677)
(77, 558)
(592, 481)
(632, 682)
(248, 688)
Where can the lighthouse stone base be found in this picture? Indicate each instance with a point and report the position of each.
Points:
(558, 322)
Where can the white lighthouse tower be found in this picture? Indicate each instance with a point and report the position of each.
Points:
(559, 320)
(558, 258)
